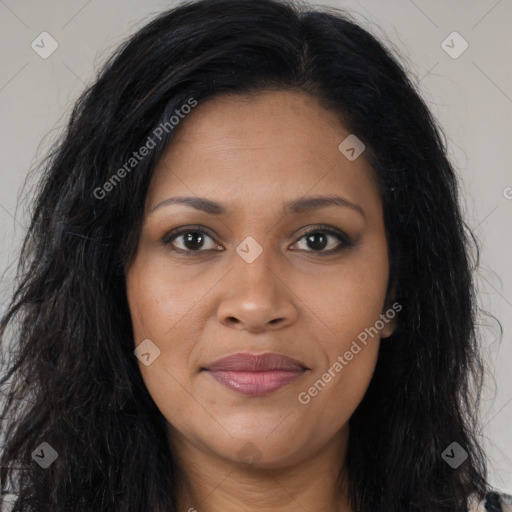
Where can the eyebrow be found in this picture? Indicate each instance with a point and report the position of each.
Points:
(301, 205)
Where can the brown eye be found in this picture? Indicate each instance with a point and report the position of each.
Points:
(191, 240)
(319, 239)
(326, 240)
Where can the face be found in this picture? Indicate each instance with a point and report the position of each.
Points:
(285, 285)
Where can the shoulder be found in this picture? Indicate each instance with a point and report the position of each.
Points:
(494, 502)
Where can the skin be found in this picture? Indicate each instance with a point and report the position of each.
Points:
(253, 154)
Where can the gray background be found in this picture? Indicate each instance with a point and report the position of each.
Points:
(471, 96)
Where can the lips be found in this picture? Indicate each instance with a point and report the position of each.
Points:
(256, 374)
(269, 361)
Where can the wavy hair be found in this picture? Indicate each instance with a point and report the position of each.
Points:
(72, 379)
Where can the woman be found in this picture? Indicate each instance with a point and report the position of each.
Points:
(247, 283)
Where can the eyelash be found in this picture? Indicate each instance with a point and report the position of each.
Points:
(344, 240)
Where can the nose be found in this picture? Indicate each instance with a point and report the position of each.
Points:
(256, 298)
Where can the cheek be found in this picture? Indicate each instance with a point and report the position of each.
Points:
(165, 299)
(345, 301)
(161, 310)
(349, 308)
(158, 295)
(334, 391)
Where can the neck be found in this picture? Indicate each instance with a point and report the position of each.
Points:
(210, 483)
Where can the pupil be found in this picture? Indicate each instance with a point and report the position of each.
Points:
(311, 240)
(190, 242)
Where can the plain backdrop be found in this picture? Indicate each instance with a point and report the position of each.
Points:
(470, 93)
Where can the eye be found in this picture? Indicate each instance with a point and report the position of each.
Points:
(194, 239)
(320, 238)
(190, 240)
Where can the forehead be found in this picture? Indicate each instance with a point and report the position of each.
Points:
(259, 120)
(266, 146)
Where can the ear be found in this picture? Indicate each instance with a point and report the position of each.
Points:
(390, 313)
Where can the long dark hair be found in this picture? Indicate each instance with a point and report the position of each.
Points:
(73, 380)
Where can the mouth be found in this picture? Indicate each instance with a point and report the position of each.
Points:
(256, 374)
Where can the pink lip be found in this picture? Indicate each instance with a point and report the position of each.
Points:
(255, 374)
